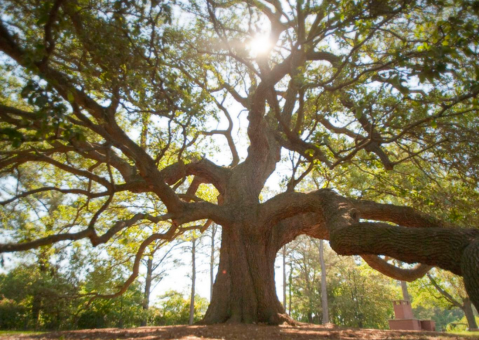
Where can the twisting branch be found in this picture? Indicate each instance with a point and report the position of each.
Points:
(64, 191)
(89, 233)
(394, 272)
(48, 36)
(444, 293)
(30, 157)
(207, 170)
(168, 236)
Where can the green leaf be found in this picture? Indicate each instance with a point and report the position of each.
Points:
(71, 97)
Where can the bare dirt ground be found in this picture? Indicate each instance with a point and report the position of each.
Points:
(237, 332)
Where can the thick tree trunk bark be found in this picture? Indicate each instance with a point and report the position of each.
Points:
(244, 290)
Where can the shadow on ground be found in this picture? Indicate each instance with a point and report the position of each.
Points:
(235, 332)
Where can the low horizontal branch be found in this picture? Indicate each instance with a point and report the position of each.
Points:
(439, 247)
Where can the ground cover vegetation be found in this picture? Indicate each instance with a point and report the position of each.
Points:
(126, 125)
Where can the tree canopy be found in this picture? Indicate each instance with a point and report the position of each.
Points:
(123, 123)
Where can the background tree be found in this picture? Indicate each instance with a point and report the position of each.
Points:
(49, 297)
(357, 296)
(156, 271)
(441, 288)
(112, 105)
(193, 280)
(324, 289)
(174, 309)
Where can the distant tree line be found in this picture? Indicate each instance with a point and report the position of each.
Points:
(45, 300)
(361, 297)
(43, 293)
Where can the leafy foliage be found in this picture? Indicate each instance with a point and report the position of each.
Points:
(357, 295)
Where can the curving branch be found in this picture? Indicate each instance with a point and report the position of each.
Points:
(204, 168)
(311, 224)
(108, 128)
(290, 204)
(324, 56)
(444, 293)
(89, 233)
(30, 157)
(169, 235)
(405, 216)
(64, 191)
(227, 134)
(11, 247)
(394, 272)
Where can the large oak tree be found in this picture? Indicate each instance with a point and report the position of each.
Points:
(115, 108)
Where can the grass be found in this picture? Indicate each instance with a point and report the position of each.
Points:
(9, 333)
(465, 333)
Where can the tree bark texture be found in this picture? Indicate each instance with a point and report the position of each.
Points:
(244, 289)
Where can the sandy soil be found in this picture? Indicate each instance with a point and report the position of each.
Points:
(236, 332)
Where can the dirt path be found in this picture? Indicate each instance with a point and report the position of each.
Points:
(236, 332)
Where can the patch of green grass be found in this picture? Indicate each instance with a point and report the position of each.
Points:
(9, 333)
(465, 333)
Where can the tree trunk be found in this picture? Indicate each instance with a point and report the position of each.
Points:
(212, 260)
(290, 287)
(146, 294)
(471, 320)
(284, 277)
(324, 292)
(405, 293)
(36, 307)
(470, 271)
(244, 290)
(193, 281)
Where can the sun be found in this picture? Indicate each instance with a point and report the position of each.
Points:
(259, 45)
